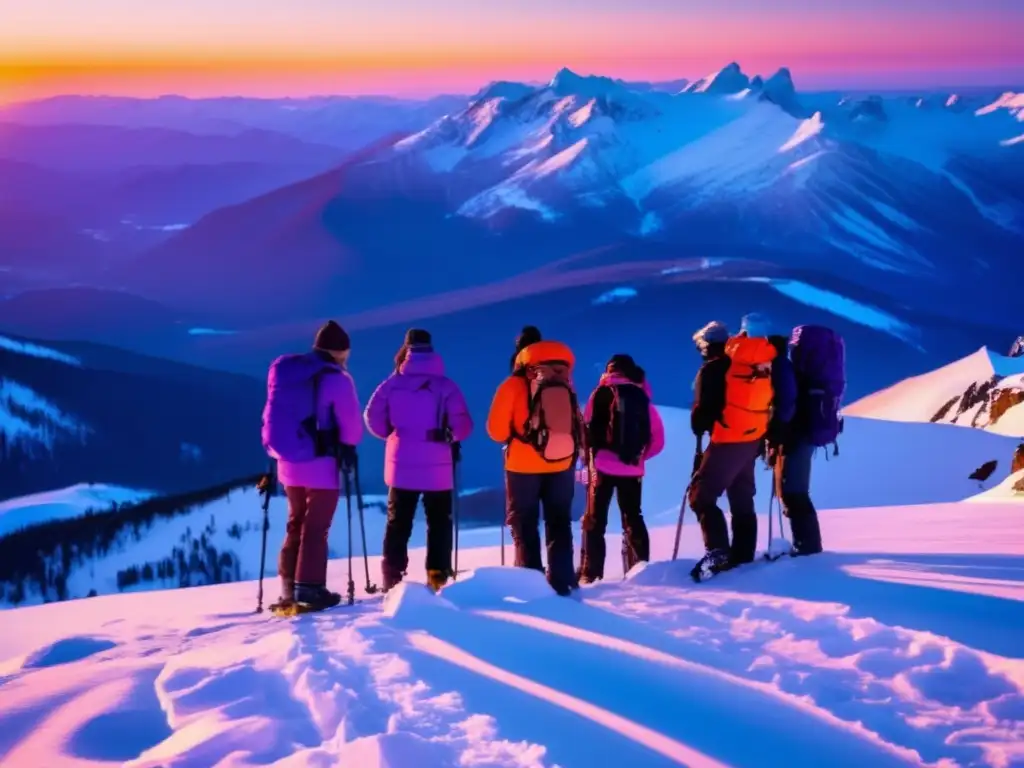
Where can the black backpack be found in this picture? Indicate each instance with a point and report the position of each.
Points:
(621, 422)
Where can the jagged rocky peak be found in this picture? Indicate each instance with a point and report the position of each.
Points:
(569, 83)
(729, 79)
(504, 89)
(866, 109)
(1017, 350)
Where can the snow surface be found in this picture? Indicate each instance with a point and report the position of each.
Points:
(1004, 491)
(920, 398)
(900, 646)
(36, 350)
(64, 504)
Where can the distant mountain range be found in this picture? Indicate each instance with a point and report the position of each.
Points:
(922, 198)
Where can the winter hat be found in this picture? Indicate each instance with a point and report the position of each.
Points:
(332, 338)
(755, 324)
(417, 337)
(714, 332)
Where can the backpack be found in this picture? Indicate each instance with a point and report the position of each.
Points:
(290, 428)
(628, 430)
(748, 390)
(553, 426)
(818, 355)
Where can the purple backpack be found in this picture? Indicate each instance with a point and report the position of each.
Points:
(819, 362)
(290, 429)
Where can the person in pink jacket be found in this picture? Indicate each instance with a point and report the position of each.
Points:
(421, 413)
(624, 430)
(309, 456)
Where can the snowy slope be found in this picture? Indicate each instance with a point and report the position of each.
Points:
(869, 448)
(898, 647)
(983, 390)
(63, 504)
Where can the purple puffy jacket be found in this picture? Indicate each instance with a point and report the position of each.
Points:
(404, 409)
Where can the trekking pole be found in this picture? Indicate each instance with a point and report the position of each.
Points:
(502, 542)
(371, 588)
(266, 488)
(456, 458)
(698, 451)
(351, 593)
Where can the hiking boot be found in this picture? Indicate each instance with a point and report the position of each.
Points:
(585, 579)
(390, 580)
(713, 563)
(316, 596)
(437, 579)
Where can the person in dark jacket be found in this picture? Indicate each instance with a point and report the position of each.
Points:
(783, 394)
(737, 425)
(529, 335)
(790, 454)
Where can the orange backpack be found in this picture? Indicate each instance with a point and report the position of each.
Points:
(748, 390)
(554, 425)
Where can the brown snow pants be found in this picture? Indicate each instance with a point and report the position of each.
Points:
(303, 557)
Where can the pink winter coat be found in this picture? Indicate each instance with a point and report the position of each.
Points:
(337, 394)
(404, 410)
(607, 462)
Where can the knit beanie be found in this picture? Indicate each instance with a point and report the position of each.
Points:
(332, 338)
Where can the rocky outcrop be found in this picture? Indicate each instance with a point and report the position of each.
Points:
(1017, 350)
(1002, 401)
(1018, 460)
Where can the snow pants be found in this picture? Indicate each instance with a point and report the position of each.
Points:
(727, 468)
(793, 487)
(525, 496)
(437, 508)
(303, 558)
(628, 491)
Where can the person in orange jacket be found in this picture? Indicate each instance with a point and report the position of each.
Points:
(536, 415)
(733, 399)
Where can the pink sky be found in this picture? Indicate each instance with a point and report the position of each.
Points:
(419, 47)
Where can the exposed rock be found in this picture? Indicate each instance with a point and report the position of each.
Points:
(1017, 350)
(1018, 487)
(1004, 400)
(1018, 460)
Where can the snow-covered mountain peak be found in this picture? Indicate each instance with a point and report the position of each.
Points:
(779, 89)
(729, 79)
(504, 89)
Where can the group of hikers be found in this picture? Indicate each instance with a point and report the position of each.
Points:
(757, 395)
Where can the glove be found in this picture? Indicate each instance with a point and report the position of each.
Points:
(346, 456)
(265, 485)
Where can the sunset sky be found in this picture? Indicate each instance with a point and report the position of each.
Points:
(421, 47)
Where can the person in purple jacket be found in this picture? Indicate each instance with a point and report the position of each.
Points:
(308, 467)
(420, 412)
